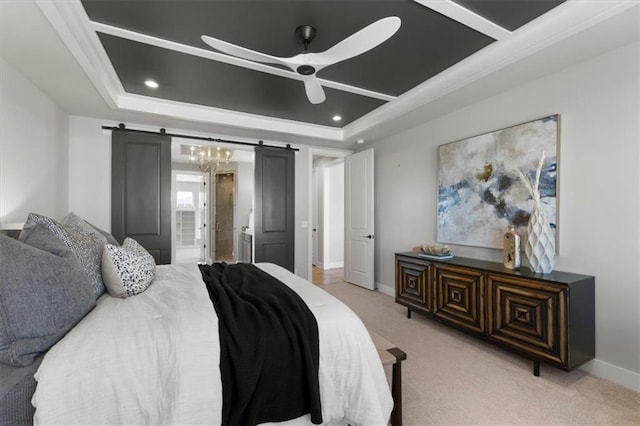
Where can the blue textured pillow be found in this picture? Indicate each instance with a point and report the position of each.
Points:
(87, 246)
(43, 294)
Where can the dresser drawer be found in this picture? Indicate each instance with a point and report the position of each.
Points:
(413, 286)
(529, 316)
(460, 297)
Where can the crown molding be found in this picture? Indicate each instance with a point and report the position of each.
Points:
(71, 22)
(204, 114)
(466, 17)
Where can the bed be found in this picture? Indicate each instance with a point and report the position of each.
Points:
(154, 358)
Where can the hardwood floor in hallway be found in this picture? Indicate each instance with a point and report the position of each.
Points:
(323, 277)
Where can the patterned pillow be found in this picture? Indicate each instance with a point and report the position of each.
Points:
(110, 238)
(127, 270)
(74, 221)
(87, 246)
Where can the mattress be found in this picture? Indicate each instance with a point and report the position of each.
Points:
(154, 358)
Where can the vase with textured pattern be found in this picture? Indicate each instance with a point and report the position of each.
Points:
(540, 247)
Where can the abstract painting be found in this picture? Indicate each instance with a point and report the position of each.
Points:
(479, 195)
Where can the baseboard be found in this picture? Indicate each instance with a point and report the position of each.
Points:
(386, 289)
(627, 378)
(621, 376)
(333, 265)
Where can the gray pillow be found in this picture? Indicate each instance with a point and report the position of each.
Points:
(110, 238)
(75, 221)
(127, 270)
(86, 245)
(42, 296)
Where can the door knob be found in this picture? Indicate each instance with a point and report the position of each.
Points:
(368, 236)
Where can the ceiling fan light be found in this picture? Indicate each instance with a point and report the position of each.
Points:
(305, 70)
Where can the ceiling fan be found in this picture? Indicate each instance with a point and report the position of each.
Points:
(308, 64)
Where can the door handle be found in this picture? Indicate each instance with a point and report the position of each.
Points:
(369, 236)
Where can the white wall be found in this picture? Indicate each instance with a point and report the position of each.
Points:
(598, 197)
(90, 170)
(34, 135)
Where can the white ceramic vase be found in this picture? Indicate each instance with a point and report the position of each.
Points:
(540, 247)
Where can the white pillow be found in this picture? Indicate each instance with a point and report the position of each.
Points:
(127, 270)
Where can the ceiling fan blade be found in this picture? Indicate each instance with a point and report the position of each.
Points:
(357, 43)
(242, 52)
(314, 90)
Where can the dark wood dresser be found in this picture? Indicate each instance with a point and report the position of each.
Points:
(545, 317)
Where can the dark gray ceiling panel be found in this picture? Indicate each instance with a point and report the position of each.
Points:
(199, 81)
(426, 44)
(510, 14)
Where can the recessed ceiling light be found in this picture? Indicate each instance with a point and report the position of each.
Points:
(151, 83)
(337, 118)
(359, 141)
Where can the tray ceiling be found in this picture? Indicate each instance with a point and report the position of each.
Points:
(160, 40)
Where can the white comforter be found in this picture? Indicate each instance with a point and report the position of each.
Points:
(154, 359)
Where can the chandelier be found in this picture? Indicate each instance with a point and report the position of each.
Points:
(209, 159)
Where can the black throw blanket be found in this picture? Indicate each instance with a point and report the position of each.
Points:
(269, 350)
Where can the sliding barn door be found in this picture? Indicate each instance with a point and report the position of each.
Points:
(141, 191)
(274, 206)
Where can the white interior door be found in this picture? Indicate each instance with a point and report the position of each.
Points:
(359, 232)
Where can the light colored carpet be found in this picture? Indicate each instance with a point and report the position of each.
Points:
(450, 378)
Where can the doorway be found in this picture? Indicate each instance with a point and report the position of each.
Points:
(224, 208)
(327, 214)
(232, 183)
(190, 217)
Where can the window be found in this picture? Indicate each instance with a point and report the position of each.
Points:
(184, 199)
